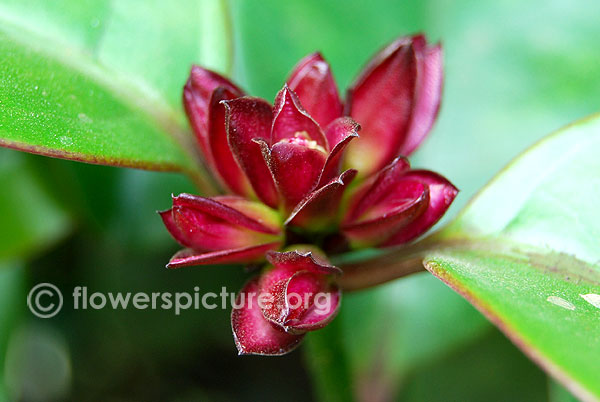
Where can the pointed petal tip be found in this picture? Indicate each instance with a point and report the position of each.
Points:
(316, 262)
(313, 83)
(320, 208)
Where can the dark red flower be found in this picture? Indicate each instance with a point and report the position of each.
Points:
(396, 205)
(295, 294)
(284, 152)
(299, 167)
(395, 99)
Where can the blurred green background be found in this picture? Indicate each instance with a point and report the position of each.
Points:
(515, 71)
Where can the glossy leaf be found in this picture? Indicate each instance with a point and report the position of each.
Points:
(525, 253)
(82, 82)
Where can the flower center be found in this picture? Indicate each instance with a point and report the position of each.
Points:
(302, 138)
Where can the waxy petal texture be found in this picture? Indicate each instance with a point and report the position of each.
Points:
(303, 258)
(385, 205)
(252, 333)
(296, 165)
(221, 224)
(339, 134)
(428, 94)
(225, 164)
(403, 205)
(441, 195)
(292, 121)
(249, 119)
(375, 188)
(304, 295)
(382, 101)
(319, 306)
(321, 208)
(313, 82)
(188, 257)
(197, 94)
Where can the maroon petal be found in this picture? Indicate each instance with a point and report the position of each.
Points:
(381, 101)
(320, 208)
(313, 82)
(300, 260)
(167, 218)
(323, 307)
(221, 223)
(428, 94)
(225, 164)
(223, 208)
(404, 203)
(296, 165)
(293, 297)
(257, 211)
(197, 93)
(188, 257)
(300, 289)
(339, 134)
(252, 333)
(292, 121)
(441, 195)
(249, 119)
(375, 188)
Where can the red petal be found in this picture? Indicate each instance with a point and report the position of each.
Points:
(324, 305)
(428, 94)
(196, 99)
(404, 203)
(381, 101)
(441, 195)
(249, 119)
(339, 134)
(302, 261)
(267, 217)
(294, 284)
(167, 217)
(374, 189)
(292, 121)
(211, 224)
(225, 164)
(252, 333)
(291, 296)
(223, 208)
(296, 167)
(313, 82)
(188, 257)
(320, 208)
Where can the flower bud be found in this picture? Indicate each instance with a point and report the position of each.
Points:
(296, 294)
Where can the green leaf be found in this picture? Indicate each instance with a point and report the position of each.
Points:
(100, 81)
(525, 253)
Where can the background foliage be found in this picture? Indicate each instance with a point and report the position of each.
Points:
(514, 72)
